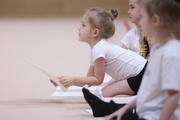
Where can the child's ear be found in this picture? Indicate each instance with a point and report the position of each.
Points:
(156, 20)
(96, 32)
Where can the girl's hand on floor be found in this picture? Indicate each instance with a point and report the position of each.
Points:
(116, 115)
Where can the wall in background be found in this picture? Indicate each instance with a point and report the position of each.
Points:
(56, 8)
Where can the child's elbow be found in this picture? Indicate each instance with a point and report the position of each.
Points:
(99, 82)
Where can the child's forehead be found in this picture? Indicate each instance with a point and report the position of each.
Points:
(88, 15)
(133, 2)
(84, 17)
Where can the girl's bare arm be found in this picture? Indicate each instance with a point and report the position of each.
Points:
(119, 113)
(170, 105)
(95, 75)
(123, 46)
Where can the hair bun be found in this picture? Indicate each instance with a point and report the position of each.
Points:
(113, 13)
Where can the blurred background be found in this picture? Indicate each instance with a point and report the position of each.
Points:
(47, 29)
(56, 8)
(45, 32)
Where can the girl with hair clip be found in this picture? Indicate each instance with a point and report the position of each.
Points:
(159, 95)
(96, 28)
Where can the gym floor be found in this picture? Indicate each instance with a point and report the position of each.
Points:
(25, 93)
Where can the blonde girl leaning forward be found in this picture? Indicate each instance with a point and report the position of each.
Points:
(96, 28)
(124, 66)
(159, 94)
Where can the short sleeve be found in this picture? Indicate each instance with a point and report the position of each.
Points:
(127, 39)
(97, 54)
(131, 40)
(171, 73)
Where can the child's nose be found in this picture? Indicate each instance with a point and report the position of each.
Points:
(129, 11)
(78, 28)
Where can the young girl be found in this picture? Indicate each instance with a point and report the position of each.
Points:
(96, 28)
(101, 108)
(159, 94)
(134, 40)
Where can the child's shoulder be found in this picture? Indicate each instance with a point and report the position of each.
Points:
(173, 45)
(172, 48)
(134, 31)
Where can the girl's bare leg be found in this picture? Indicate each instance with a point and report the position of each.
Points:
(117, 88)
(112, 81)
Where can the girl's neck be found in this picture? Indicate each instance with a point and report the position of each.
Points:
(93, 42)
(163, 39)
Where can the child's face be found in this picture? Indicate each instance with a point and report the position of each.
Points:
(84, 30)
(145, 23)
(134, 11)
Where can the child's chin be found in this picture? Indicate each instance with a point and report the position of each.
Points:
(81, 40)
(134, 22)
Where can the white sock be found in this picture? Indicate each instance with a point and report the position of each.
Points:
(98, 93)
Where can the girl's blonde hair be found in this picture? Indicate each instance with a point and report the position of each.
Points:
(102, 20)
(168, 11)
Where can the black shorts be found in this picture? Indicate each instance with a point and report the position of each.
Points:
(134, 82)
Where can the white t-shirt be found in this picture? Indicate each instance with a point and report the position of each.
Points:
(120, 63)
(162, 74)
(131, 40)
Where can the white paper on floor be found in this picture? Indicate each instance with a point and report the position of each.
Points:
(66, 94)
(80, 88)
(78, 93)
(121, 100)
